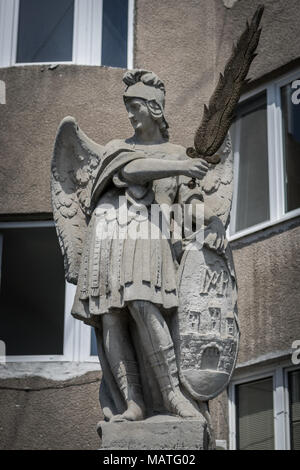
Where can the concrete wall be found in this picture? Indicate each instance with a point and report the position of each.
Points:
(37, 99)
(187, 44)
(45, 414)
(268, 274)
(269, 297)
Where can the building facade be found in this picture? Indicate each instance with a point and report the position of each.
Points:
(68, 57)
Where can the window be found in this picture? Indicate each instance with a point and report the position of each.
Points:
(266, 144)
(294, 408)
(32, 292)
(114, 33)
(45, 31)
(90, 32)
(255, 428)
(291, 147)
(264, 411)
(93, 351)
(35, 300)
(250, 137)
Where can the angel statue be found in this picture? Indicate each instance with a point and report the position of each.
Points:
(164, 314)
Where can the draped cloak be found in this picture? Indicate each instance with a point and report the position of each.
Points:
(117, 265)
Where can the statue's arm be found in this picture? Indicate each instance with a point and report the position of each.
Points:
(145, 170)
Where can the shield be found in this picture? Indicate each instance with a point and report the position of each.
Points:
(207, 335)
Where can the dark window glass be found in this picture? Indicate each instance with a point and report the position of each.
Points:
(32, 292)
(93, 343)
(253, 179)
(294, 392)
(114, 33)
(255, 423)
(291, 147)
(45, 30)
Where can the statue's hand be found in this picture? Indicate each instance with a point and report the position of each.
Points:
(195, 168)
(215, 235)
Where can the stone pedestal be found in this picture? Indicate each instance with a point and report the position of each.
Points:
(156, 433)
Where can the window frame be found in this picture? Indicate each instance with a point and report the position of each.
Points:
(87, 35)
(77, 335)
(281, 413)
(275, 158)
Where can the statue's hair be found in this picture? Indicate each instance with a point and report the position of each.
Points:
(151, 79)
(148, 78)
(158, 116)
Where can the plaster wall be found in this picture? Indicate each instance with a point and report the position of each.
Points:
(37, 99)
(186, 43)
(269, 297)
(40, 414)
(267, 269)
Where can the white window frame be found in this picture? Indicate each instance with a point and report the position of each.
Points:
(87, 33)
(77, 335)
(281, 414)
(275, 158)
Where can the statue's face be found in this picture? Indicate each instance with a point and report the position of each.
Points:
(139, 114)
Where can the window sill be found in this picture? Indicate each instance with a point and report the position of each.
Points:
(259, 227)
(49, 359)
(53, 370)
(54, 65)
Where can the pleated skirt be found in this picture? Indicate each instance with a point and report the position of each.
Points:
(118, 267)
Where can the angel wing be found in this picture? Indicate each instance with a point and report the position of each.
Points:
(75, 163)
(218, 115)
(217, 186)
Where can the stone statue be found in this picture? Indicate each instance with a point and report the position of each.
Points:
(163, 308)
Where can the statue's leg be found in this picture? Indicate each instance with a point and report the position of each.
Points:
(121, 357)
(110, 398)
(159, 349)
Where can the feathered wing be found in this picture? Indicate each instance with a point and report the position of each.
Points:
(215, 189)
(218, 115)
(217, 185)
(75, 163)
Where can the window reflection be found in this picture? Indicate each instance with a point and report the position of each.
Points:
(294, 389)
(32, 292)
(45, 31)
(93, 343)
(255, 423)
(291, 147)
(250, 144)
(114, 33)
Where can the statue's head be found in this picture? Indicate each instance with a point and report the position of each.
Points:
(144, 99)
